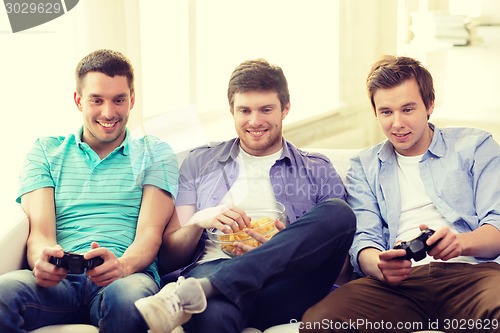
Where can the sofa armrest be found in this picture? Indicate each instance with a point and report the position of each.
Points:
(13, 236)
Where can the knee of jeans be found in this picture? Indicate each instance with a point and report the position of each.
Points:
(126, 291)
(340, 212)
(220, 315)
(13, 283)
(115, 311)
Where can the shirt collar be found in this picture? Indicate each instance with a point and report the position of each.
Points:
(230, 151)
(124, 147)
(386, 151)
(437, 146)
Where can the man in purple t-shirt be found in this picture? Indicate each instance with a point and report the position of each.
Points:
(276, 282)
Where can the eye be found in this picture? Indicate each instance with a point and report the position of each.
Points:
(96, 101)
(120, 100)
(385, 112)
(407, 110)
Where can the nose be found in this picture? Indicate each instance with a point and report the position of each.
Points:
(254, 119)
(107, 110)
(398, 120)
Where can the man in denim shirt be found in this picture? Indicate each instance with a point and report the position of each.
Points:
(276, 282)
(446, 180)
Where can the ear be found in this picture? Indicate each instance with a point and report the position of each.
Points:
(430, 110)
(132, 100)
(78, 100)
(231, 110)
(285, 111)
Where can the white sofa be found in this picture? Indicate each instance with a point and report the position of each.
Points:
(13, 241)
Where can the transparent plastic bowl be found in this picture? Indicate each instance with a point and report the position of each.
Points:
(262, 221)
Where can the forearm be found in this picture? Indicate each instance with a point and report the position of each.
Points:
(35, 245)
(178, 247)
(40, 210)
(141, 253)
(368, 260)
(484, 242)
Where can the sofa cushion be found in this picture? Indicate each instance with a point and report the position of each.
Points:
(13, 236)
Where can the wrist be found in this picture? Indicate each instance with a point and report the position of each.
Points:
(368, 260)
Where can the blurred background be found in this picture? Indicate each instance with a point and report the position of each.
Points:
(184, 51)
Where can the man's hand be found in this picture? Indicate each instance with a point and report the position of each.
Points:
(394, 271)
(225, 218)
(242, 248)
(447, 244)
(110, 270)
(45, 273)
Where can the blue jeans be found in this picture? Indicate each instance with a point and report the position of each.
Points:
(278, 281)
(24, 306)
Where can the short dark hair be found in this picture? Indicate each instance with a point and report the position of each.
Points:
(391, 71)
(258, 75)
(104, 61)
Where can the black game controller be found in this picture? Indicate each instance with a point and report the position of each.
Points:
(416, 248)
(76, 263)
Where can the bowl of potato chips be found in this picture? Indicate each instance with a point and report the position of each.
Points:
(262, 221)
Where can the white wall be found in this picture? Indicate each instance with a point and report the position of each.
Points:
(37, 84)
(36, 93)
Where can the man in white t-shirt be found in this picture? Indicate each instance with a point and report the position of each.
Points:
(277, 281)
(420, 177)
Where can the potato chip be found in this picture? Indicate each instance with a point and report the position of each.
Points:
(264, 226)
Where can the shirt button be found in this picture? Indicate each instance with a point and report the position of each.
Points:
(214, 198)
(232, 176)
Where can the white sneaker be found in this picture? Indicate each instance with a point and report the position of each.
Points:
(173, 305)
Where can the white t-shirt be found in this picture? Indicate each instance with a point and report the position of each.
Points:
(252, 189)
(417, 208)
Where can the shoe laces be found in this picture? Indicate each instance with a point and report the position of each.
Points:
(173, 304)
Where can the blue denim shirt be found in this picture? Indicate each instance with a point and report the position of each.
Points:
(460, 172)
(299, 179)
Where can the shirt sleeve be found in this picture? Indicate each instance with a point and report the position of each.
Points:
(35, 172)
(323, 180)
(486, 181)
(370, 230)
(332, 185)
(187, 183)
(164, 170)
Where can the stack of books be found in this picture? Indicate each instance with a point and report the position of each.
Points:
(440, 27)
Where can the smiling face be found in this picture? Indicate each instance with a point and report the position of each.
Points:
(105, 103)
(258, 121)
(403, 118)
